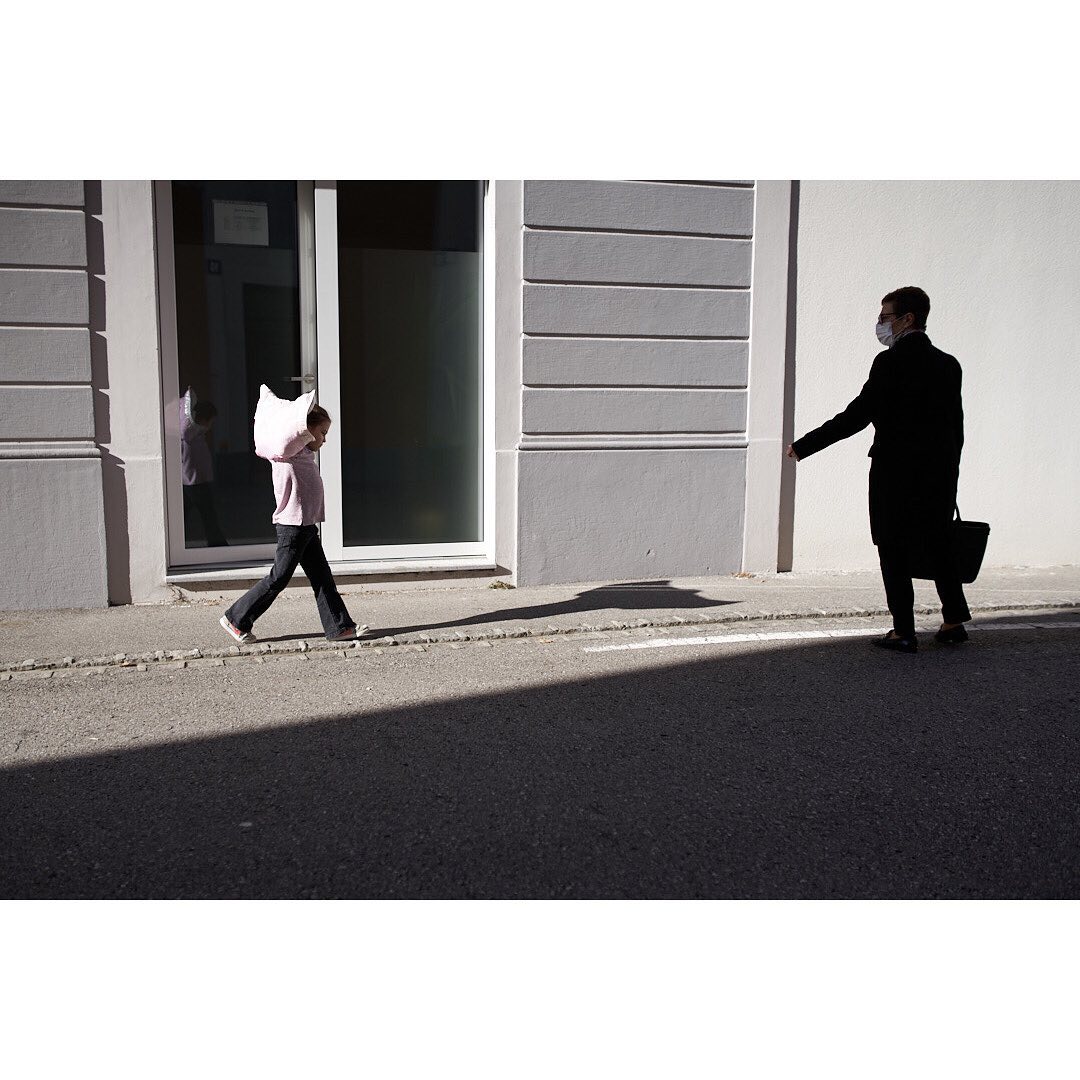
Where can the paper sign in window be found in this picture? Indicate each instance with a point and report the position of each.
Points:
(241, 223)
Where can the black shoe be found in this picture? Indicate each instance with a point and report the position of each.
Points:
(897, 644)
(953, 636)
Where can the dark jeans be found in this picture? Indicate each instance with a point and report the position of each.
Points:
(298, 545)
(900, 593)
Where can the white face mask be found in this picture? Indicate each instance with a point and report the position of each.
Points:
(884, 333)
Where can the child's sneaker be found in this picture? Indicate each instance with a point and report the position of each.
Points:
(349, 635)
(244, 637)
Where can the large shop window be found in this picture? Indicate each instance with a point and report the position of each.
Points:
(395, 351)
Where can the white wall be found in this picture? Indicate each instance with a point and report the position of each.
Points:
(131, 398)
(1001, 263)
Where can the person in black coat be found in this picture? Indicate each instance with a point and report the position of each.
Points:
(912, 397)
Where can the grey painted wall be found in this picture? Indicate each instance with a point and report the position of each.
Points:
(635, 320)
(622, 328)
(51, 507)
(51, 511)
(632, 513)
(508, 360)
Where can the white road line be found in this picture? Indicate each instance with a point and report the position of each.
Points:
(802, 635)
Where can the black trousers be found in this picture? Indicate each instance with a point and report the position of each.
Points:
(199, 498)
(298, 545)
(900, 593)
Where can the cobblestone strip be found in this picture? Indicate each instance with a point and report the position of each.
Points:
(178, 658)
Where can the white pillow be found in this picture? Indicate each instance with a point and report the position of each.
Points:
(281, 429)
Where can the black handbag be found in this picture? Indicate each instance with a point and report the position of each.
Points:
(967, 540)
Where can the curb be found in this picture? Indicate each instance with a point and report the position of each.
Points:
(180, 657)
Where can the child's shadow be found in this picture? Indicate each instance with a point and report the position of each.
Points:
(631, 596)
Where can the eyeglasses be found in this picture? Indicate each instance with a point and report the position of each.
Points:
(893, 315)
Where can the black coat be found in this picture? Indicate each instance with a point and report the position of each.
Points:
(912, 397)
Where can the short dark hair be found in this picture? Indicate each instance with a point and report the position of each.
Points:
(317, 415)
(910, 300)
(203, 410)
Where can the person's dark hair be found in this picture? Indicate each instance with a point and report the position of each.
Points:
(318, 415)
(910, 299)
(202, 411)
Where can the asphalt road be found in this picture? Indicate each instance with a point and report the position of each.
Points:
(538, 769)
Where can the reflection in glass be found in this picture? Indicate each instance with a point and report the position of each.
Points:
(409, 289)
(238, 325)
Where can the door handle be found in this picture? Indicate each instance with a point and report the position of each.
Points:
(302, 378)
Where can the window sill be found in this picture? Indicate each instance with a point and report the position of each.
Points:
(255, 570)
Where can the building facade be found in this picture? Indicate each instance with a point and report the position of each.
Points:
(554, 381)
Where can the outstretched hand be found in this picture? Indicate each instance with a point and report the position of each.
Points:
(791, 453)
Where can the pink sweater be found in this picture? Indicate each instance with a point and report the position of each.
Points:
(299, 490)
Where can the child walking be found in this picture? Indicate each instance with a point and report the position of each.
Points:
(300, 506)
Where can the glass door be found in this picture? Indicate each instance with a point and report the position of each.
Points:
(237, 307)
(400, 299)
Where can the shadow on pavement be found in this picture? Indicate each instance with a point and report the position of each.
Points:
(630, 596)
(816, 770)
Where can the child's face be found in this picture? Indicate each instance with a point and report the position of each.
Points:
(320, 431)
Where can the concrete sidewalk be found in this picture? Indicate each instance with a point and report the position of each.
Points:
(466, 612)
